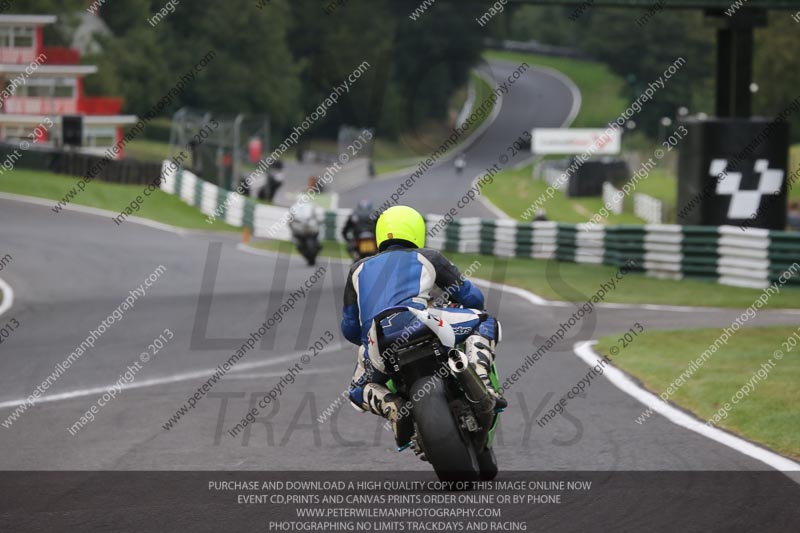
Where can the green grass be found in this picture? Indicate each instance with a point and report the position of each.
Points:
(159, 206)
(661, 184)
(769, 414)
(514, 191)
(575, 282)
(392, 166)
(601, 90)
(146, 150)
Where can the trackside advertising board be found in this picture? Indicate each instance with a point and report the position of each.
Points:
(575, 141)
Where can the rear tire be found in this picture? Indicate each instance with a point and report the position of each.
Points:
(450, 452)
(488, 464)
(310, 250)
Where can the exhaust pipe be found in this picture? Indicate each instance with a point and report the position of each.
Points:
(482, 402)
(473, 386)
(457, 361)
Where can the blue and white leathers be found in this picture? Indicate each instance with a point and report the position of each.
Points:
(405, 277)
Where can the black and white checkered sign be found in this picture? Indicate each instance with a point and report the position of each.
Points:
(746, 189)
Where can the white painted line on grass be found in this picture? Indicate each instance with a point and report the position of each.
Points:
(584, 351)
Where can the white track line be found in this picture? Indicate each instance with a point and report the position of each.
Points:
(530, 297)
(490, 81)
(584, 351)
(93, 211)
(154, 382)
(8, 296)
(280, 374)
(577, 99)
(533, 298)
(541, 301)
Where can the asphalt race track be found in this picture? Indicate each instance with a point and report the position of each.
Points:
(71, 270)
(539, 98)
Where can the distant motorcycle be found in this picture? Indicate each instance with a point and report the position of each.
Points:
(274, 181)
(359, 232)
(364, 245)
(305, 232)
(460, 163)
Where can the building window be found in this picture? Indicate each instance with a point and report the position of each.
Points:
(38, 90)
(14, 133)
(63, 91)
(48, 88)
(23, 38)
(100, 137)
(5, 37)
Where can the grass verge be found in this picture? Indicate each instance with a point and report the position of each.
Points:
(160, 206)
(769, 413)
(147, 150)
(575, 282)
(794, 166)
(514, 191)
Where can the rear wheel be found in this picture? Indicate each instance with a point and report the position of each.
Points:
(310, 250)
(488, 464)
(448, 449)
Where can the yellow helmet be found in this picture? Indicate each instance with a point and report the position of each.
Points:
(400, 222)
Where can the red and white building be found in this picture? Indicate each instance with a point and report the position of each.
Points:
(38, 83)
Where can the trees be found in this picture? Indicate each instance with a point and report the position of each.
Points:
(253, 70)
(284, 58)
(775, 66)
(641, 53)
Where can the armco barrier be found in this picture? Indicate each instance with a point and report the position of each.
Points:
(727, 254)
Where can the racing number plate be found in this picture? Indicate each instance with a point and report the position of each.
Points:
(366, 246)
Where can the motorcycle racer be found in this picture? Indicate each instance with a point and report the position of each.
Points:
(360, 221)
(403, 274)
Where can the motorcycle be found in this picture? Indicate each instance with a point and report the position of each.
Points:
(305, 232)
(364, 245)
(460, 163)
(454, 416)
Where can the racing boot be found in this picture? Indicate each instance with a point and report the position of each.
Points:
(380, 400)
(480, 352)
